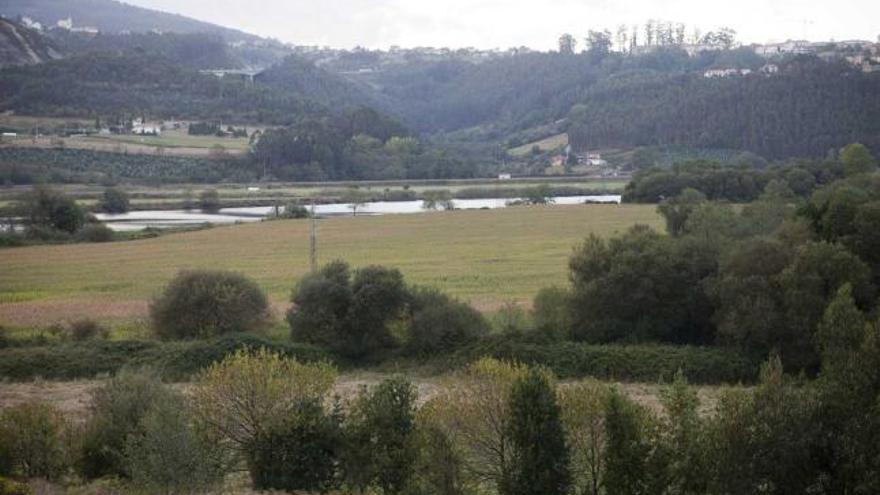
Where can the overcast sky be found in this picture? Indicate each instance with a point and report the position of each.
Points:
(507, 23)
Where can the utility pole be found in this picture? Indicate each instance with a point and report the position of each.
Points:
(313, 241)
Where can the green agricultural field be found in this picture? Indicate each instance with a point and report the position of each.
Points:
(485, 257)
(180, 139)
(550, 143)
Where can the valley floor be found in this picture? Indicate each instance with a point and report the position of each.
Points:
(488, 258)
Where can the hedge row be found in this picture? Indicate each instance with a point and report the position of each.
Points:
(180, 360)
(642, 363)
(174, 360)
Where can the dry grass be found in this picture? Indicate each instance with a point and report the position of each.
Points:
(73, 397)
(485, 257)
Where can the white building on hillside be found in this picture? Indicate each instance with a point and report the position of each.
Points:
(790, 47)
(713, 73)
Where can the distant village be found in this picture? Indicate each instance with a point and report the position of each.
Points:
(863, 54)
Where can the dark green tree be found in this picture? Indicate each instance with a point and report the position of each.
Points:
(627, 449)
(205, 303)
(540, 457)
(43, 207)
(676, 210)
(115, 200)
(381, 447)
(857, 159)
(301, 453)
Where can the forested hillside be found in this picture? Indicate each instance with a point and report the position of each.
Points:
(111, 16)
(301, 77)
(518, 91)
(113, 84)
(22, 46)
(806, 109)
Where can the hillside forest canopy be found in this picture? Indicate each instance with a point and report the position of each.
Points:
(617, 93)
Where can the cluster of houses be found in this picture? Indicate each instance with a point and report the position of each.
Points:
(589, 159)
(65, 24)
(862, 54)
(364, 61)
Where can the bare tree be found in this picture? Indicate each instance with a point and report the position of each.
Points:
(622, 38)
(567, 44)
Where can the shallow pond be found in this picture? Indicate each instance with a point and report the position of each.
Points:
(138, 220)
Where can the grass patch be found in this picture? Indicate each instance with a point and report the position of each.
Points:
(550, 143)
(21, 296)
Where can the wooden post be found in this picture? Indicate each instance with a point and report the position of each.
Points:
(313, 241)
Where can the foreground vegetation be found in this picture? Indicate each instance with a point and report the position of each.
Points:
(492, 427)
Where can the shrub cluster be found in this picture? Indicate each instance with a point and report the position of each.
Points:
(172, 360)
(638, 363)
(201, 304)
(354, 314)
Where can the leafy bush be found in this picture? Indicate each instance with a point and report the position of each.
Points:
(117, 408)
(551, 313)
(172, 360)
(42, 233)
(169, 455)
(511, 319)
(442, 324)
(301, 453)
(199, 304)
(294, 210)
(10, 487)
(380, 437)
(70, 361)
(33, 441)
(95, 232)
(209, 201)
(47, 208)
(248, 392)
(86, 330)
(646, 363)
(351, 315)
(115, 200)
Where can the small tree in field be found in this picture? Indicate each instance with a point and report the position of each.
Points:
(540, 456)
(247, 393)
(115, 200)
(351, 314)
(355, 198)
(32, 441)
(169, 455)
(472, 411)
(200, 304)
(209, 201)
(117, 410)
